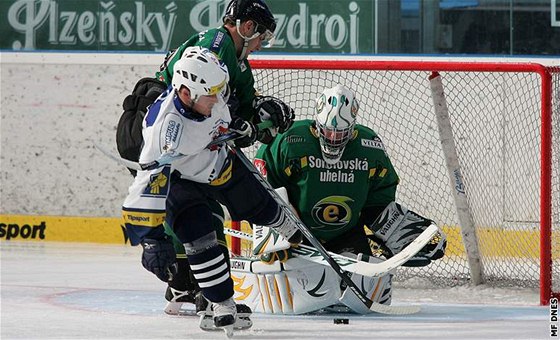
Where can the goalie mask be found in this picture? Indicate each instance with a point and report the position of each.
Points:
(336, 116)
(201, 72)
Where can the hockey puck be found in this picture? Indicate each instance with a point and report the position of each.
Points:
(341, 321)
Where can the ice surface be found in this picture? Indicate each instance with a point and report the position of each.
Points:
(86, 291)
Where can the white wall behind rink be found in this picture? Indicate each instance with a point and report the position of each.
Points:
(55, 105)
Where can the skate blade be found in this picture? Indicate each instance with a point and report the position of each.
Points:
(176, 309)
(228, 330)
(207, 323)
(173, 308)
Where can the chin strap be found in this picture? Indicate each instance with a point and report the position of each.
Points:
(244, 49)
(245, 40)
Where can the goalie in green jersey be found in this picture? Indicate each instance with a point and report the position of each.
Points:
(339, 178)
(337, 173)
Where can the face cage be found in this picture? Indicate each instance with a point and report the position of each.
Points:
(333, 141)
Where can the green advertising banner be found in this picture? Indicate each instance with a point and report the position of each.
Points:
(304, 26)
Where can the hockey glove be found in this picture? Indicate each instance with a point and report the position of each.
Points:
(159, 258)
(270, 108)
(246, 129)
(396, 227)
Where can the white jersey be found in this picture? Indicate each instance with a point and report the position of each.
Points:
(169, 128)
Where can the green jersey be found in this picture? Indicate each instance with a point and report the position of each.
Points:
(329, 198)
(219, 41)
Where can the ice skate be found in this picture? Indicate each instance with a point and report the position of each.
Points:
(225, 314)
(208, 322)
(175, 300)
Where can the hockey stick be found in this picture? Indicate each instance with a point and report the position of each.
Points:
(363, 268)
(166, 159)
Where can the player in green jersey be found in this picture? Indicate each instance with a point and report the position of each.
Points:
(248, 25)
(339, 178)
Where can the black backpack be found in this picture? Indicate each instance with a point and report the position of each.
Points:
(135, 106)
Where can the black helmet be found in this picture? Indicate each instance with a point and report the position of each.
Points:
(255, 10)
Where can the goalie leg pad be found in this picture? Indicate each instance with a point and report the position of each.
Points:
(305, 288)
(377, 289)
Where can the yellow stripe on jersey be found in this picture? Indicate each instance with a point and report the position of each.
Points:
(224, 176)
(383, 172)
(143, 219)
(303, 161)
(302, 164)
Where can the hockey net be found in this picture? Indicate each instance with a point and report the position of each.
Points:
(505, 122)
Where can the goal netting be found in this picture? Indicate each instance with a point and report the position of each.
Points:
(505, 128)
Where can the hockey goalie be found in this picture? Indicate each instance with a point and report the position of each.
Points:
(338, 178)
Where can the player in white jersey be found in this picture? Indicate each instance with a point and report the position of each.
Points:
(179, 125)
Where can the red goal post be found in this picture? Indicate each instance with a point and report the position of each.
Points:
(504, 120)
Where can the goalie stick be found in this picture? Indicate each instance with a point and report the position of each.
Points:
(349, 264)
(362, 268)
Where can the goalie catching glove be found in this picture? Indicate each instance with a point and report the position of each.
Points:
(396, 227)
(159, 258)
(275, 110)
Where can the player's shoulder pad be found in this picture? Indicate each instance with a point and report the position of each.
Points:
(216, 40)
(369, 139)
(299, 132)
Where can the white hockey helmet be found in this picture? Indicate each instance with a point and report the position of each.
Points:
(336, 116)
(201, 72)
